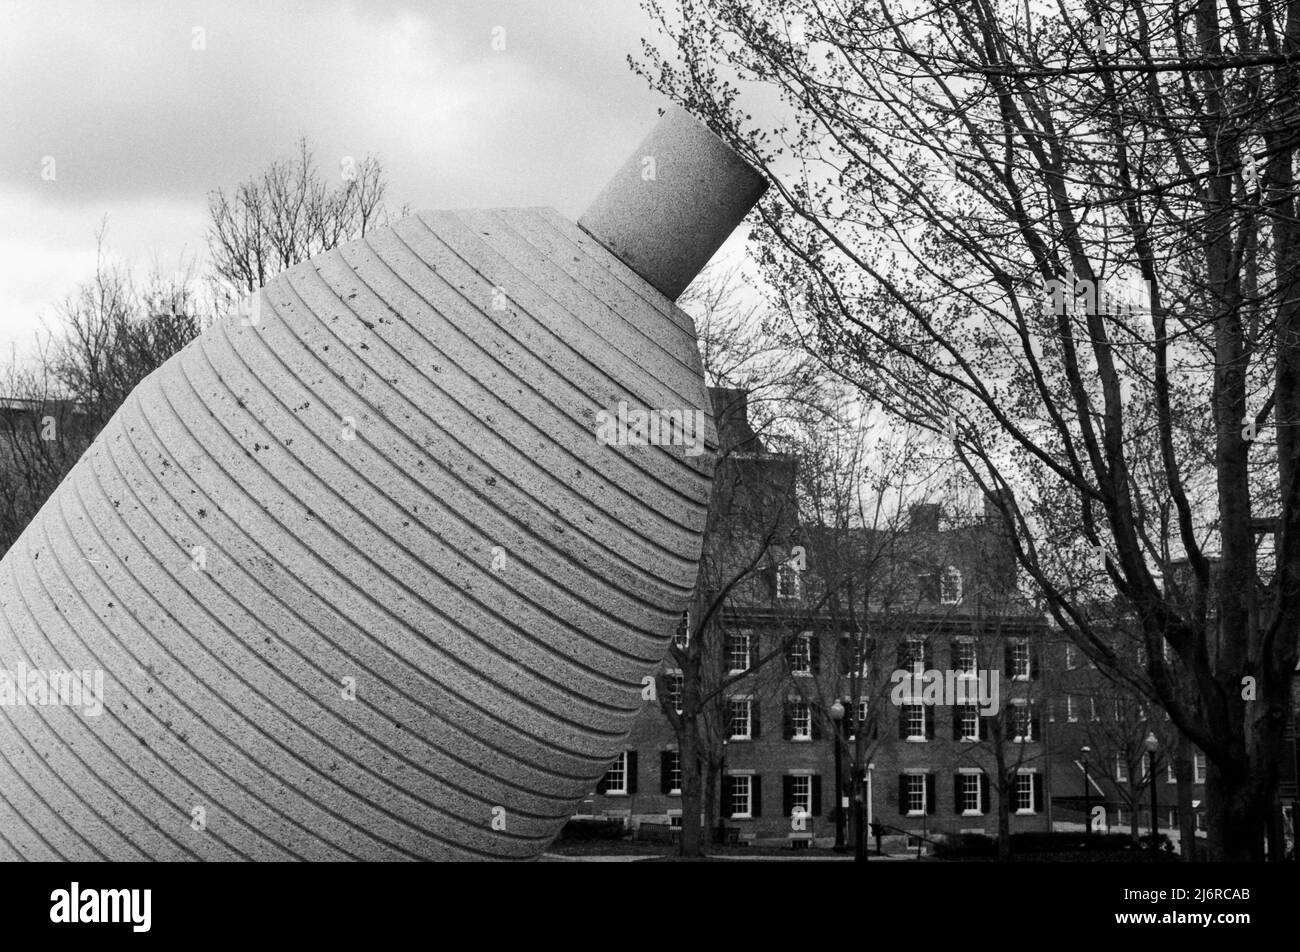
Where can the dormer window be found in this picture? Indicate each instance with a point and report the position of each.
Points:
(950, 586)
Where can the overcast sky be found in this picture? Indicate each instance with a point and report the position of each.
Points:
(141, 124)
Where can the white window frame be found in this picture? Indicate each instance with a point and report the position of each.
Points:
(1198, 767)
(912, 779)
(743, 637)
(789, 582)
(915, 712)
(1092, 708)
(1070, 714)
(864, 711)
(749, 797)
(1121, 769)
(1069, 657)
(1017, 646)
(970, 711)
(964, 670)
(967, 774)
(1021, 776)
(682, 636)
(677, 790)
(620, 766)
(796, 705)
(1169, 772)
(916, 654)
(946, 593)
(800, 655)
(1021, 710)
(676, 682)
(748, 701)
(798, 800)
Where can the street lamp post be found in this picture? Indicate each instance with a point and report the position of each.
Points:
(1151, 746)
(859, 840)
(837, 721)
(1087, 793)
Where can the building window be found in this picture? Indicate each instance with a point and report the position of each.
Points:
(1173, 818)
(1121, 769)
(741, 708)
(738, 651)
(971, 802)
(1022, 722)
(800, 720)
(1200, 822)
(741, 797)
(675, 820)
(1069, 657)
(1020, 660)
(1092, 709)
(1071, 714)
(1198, 767)
(969, 725)
(1169, 773)
(950, 586)
(915, 794)
(674, 764)
(911, 655)
(616, 777)
(801, 796)
(676, 682)
(963, 658)
(1025, 793)
(789, 581)
(915, 715)
(683, 637)
(800, 654)
(862, 714)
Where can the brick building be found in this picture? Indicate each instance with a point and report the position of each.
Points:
(785, 646)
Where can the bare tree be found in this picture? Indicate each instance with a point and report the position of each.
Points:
(1057, 234)
(288, 213)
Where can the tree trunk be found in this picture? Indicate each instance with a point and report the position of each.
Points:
(1237, 813)
(692, 841)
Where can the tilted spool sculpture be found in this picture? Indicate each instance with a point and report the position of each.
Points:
(359, 576)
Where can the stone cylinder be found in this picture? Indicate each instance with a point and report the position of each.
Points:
(373, 570)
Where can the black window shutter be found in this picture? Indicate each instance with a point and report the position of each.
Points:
(787, 720)
(753, 718)
(954, 653)
(927, 654)
(846, 654)
(904, 659)
(1033, 664)
(814, 653)
(816, 795)
(665, 771)
(957, 711)
(787, 796)
(902, 721)
(753, 649)
(1011, 719)
(1035, 725)
(929, 722)
(756, 795)
(957, 803)
(1038, 793)
(1009, 660)
(902, 794)
(724, 809)
(816, 725)
(984, 726)
(984, 792)
(931, 801)
(631, 771)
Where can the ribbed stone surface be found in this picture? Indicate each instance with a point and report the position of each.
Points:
(466, 354)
